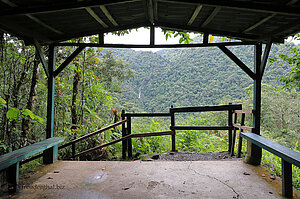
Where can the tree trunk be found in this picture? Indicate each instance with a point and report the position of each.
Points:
(31, 98)
(76, 78)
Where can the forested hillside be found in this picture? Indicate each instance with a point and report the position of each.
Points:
(189, 77)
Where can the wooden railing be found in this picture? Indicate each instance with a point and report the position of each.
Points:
(127, 135)
(73, 142)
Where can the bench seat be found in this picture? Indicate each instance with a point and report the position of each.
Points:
(288, 158)
(283, 152)
(10, 161)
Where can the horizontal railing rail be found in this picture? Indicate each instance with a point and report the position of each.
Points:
(93, 133)
(207, 108)
(123, 139)
(202, 128)
(77, 140)
(146, 115)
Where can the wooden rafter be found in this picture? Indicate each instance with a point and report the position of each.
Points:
(195, 14)
(211, 17)
(292, 2)
(155, 10)
(249, 6)
(259, 23)
(62, 6)
(108, 15)
(267, 18)
(11, 4)
(156, 45)
(96, 17)
(43, 24)
(150, 11)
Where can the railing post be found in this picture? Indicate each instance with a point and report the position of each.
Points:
(124, 143)
(240, 137)
(230, 125)
(73, 150)
(174, 132)
(129, 144)
(234, 136)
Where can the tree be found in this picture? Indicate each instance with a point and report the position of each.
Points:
(293, 78)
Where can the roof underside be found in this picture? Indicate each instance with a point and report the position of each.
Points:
(55, 20)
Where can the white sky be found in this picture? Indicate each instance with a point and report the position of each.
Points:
(142, 36)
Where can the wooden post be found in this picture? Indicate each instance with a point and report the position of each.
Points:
(254, 153)
(174, 132)
(129, 143)
(287, 186)
(240, 138)
(12, 177)
(50, 155)
(73, 150)
(234, 136)
(230, 125)
(124, 143)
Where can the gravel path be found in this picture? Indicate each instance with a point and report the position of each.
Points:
(188, 156)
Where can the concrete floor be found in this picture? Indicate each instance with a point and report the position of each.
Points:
(157, 179)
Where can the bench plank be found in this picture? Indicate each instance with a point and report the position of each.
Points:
(9, 159)
(283, 152)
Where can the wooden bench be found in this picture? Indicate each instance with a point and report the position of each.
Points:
(11, 161)
(288, 157)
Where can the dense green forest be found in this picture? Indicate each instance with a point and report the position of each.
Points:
(99, 83)
(190, 77)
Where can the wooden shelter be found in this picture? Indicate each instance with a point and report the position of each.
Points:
(252, 22)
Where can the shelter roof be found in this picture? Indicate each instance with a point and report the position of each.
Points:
(55, 20)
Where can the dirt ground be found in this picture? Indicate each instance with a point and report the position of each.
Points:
(188, 156)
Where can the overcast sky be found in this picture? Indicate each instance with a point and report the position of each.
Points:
(142, 36)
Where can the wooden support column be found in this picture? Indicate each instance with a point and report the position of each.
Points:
(129, 142)
(50, 155)
(124, 143)
(254, 153)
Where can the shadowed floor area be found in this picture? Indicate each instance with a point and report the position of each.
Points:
(156, 179)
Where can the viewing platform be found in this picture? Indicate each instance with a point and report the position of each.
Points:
(150, 179)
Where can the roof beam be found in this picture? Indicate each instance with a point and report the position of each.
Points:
(96, 17)
(267, 18)
(11, 4)
(150, 11)
(62, 6)
(259, 23)
(205, 30)
(155, 10)
(108, 15)
(43, 24)
(245, 5)
(195, 14)
(211, 16)
(156, 45)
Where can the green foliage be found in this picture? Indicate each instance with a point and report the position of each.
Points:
(291, 58)
(15, 114)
